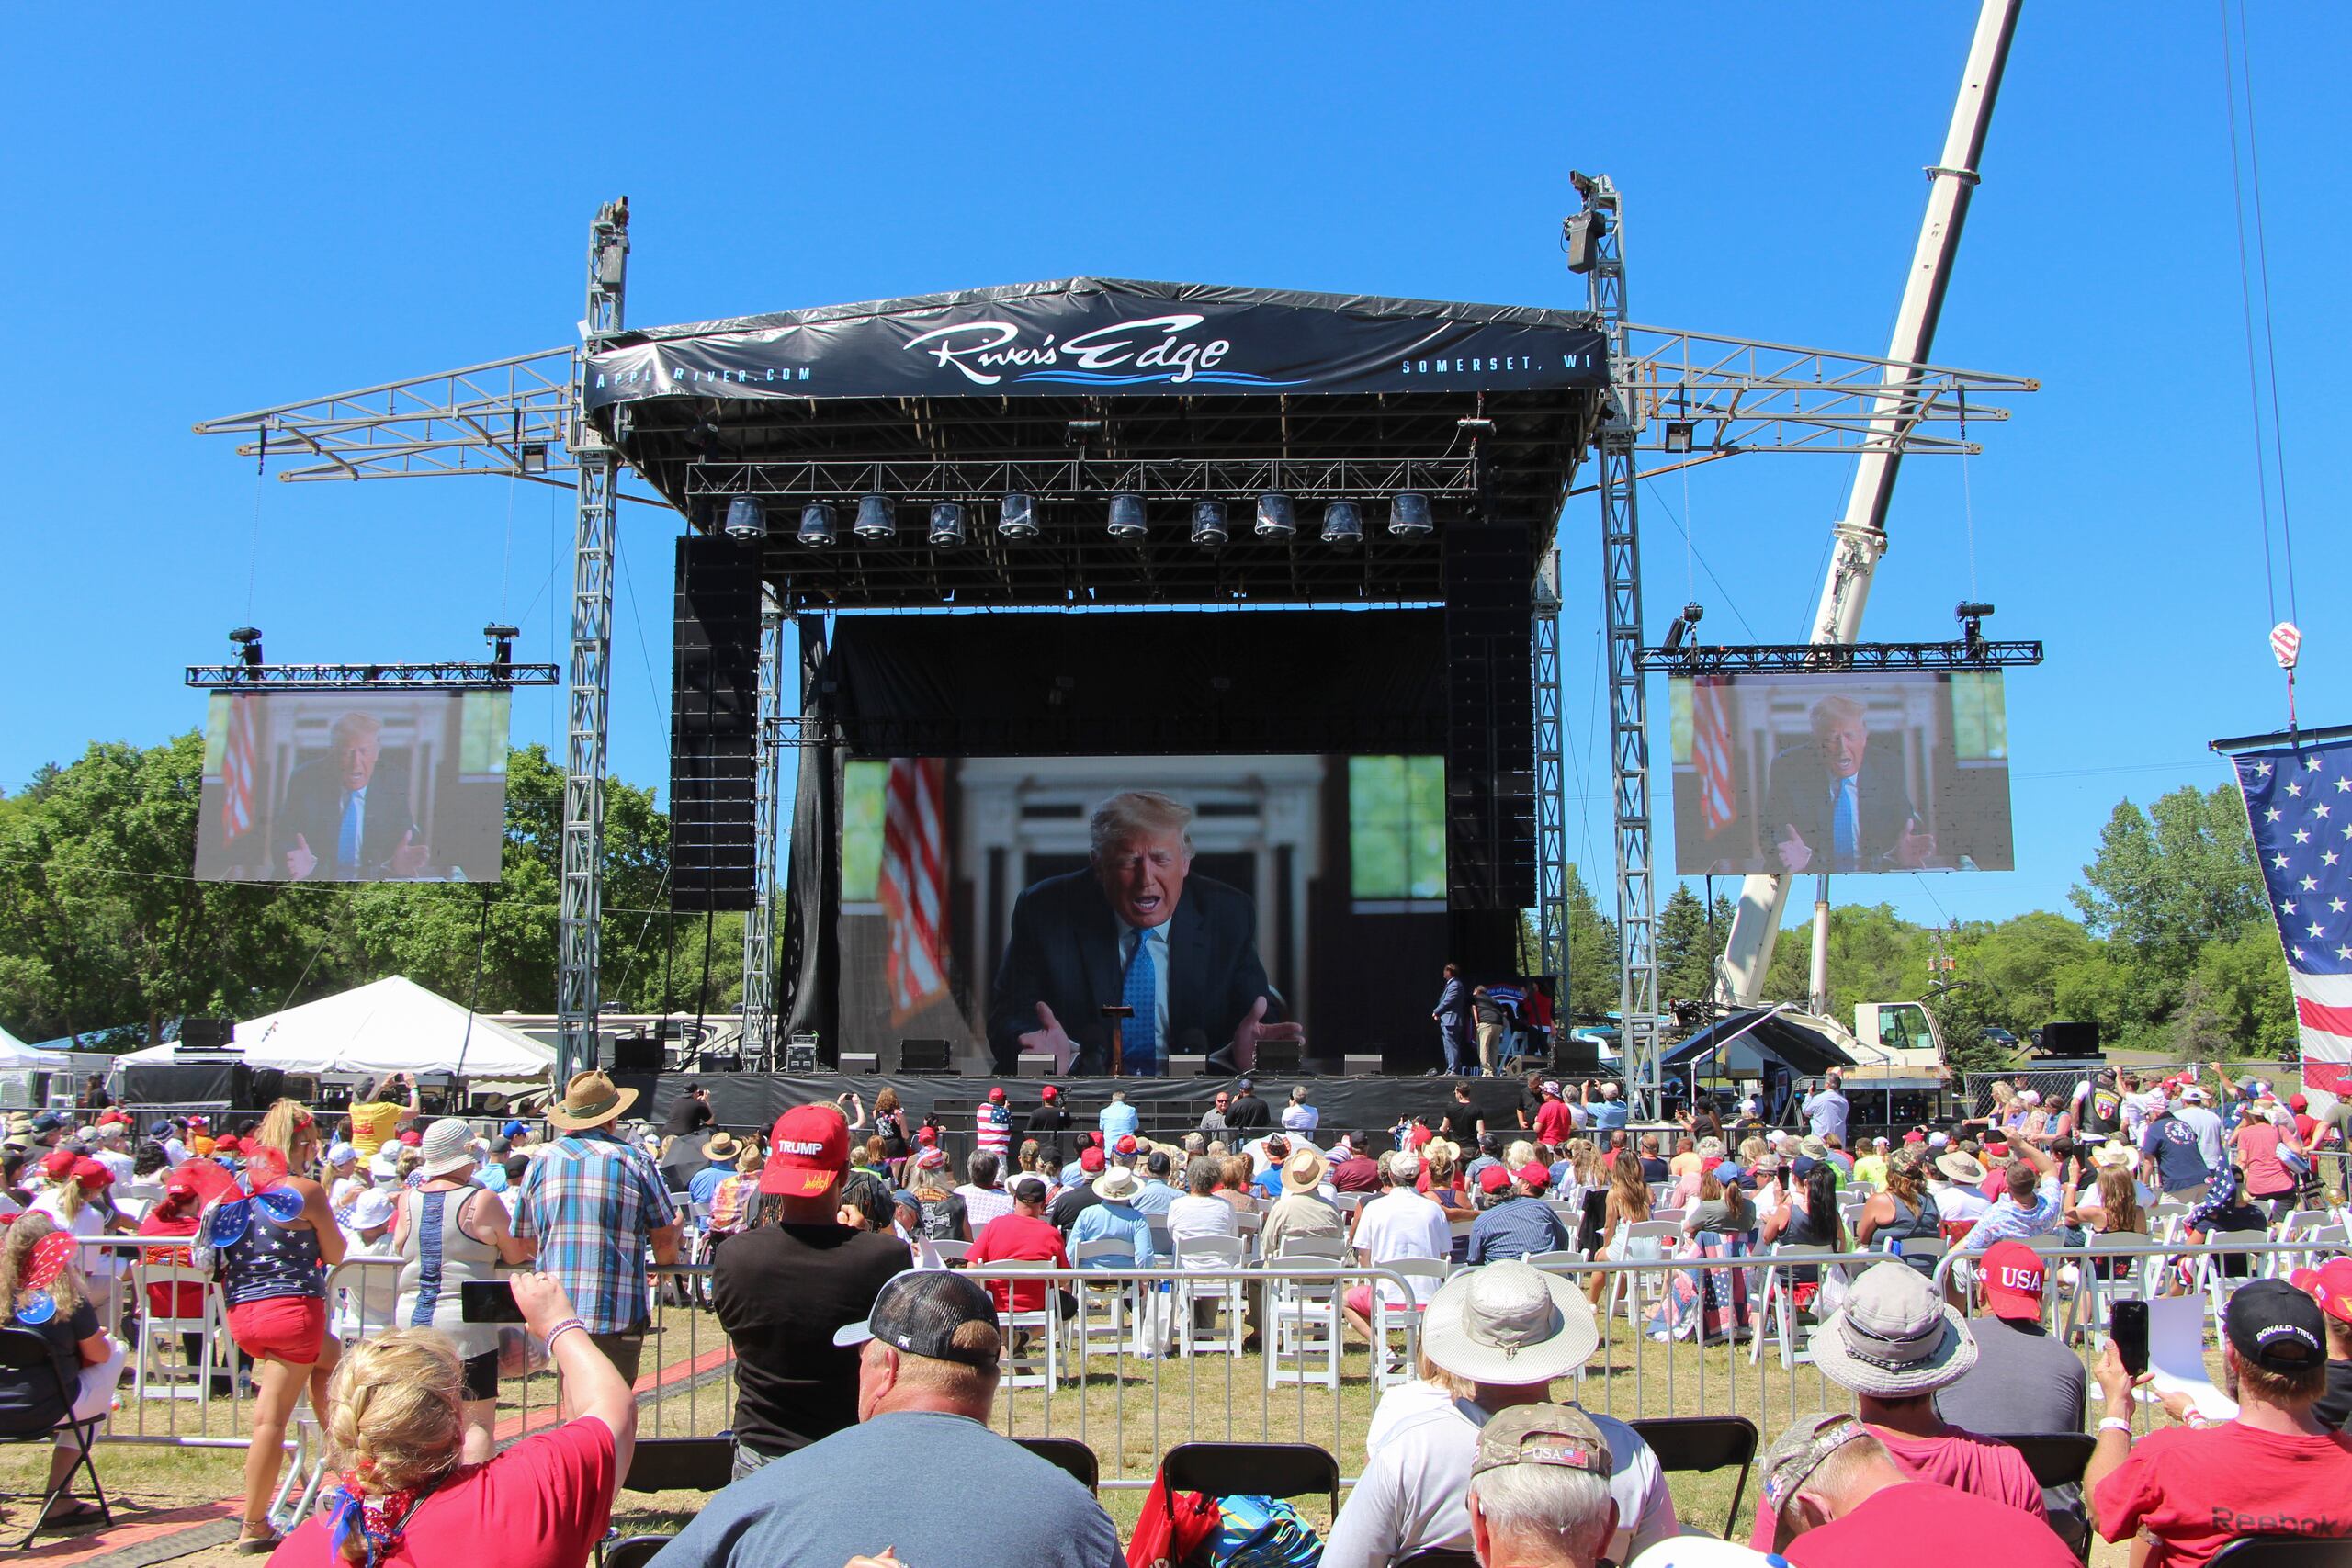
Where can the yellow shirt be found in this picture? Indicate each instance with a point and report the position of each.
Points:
(1870, 1168)
(372, 1123)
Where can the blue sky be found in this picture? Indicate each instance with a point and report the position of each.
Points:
(213, 212)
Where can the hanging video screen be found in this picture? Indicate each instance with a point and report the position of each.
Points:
(353, 787)
(1840, 773)
(995, 902)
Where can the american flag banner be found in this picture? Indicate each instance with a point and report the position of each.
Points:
(2299, 802)
(913, 883)
(1710, 751)
(240, 761)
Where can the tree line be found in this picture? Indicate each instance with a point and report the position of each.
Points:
(102, 926)
(2169, 947)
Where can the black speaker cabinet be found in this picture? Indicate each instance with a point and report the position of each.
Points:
(926, 1058)
(636, 1053)
(2068, 1040)
(207, 1034)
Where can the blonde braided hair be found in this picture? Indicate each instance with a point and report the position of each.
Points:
(395, 1418)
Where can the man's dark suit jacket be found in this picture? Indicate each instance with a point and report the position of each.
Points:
(1065, 953)
(1799, 796)
(313, 807)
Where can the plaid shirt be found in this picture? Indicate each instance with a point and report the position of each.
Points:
(590, 1203)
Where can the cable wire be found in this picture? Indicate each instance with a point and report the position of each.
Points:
(2269, 336)
(2246, 306)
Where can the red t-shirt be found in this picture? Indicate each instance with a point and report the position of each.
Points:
(190, 1302)
(1554, 1123)
(2195, 1491)
(1959, 1461)
(544, 1503)
(1017, 1238)
(1891, 1526)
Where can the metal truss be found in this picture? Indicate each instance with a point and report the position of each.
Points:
(1084, 478)
(506, 416)
(593, 541)
(1550, 776)
(444, 674)
(1807, 657)
(759, 947)
(1713, 397)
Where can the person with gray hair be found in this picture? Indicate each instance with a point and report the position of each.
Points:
(1836, 1497)
(1135, 929)
(1539, 1490)
(1834, 804)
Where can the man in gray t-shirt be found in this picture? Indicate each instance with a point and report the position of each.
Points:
(927, 1377)
(2025, 1381)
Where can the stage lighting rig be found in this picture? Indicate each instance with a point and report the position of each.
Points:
(1971, 615)
(1343, 524)
(747, 519)
(1684, 624)
(947, 525)
(248, 641)
(816, 525)
(1016, 518)
(1126, 516)
(1474, 424)
(1208, 524)
(1677, 435)
(501, 639)
(1408, 514)
(877, 519)
(1276, 517)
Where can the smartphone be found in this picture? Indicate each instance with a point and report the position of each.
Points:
(2127, 1325)
(492, 1301)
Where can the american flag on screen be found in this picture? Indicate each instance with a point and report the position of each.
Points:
(2299, 802)
(240, 760)
(1710, 751)
(914, 882)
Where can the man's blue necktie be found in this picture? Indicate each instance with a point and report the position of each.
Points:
(1139, 1036)
(346, 843)
(1845, 835)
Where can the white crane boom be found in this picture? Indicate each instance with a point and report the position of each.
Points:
(1860, 535)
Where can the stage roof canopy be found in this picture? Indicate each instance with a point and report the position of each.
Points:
(1803, 1050)
(1070, 391)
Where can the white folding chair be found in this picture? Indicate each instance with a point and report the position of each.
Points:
(1109, 1316)
(1641, 1241)
(2095, 1297)
(2212, 1278)
(1032, 1339)
(1776, 1313)
(952, 1251)
(161, 1329)
(1302, 1318)
(1200, 1301)
(1388, 1317)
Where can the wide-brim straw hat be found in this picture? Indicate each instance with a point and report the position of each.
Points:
(1303, 1172)
(1893, 1338)
(1509, 1323)
(721, 1146)
(1116, 1185)
(1961, 1167)
(590, 1099)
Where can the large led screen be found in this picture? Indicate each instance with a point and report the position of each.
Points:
(353, 787)
(1840, 773)
(995, 902)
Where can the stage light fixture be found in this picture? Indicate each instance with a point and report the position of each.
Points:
(1276, 517)
(878, 520)
(947, 525)
(1343, 524)
(1016, 518)
(501, 645)
(1684, 624)
(1677, 435)
(1208, 523)
(817, 522)
(747, 519)
(248, 641)
(535, 457)
(1408, 513)
(1476, 425)
(1126, 515)
(1971, 615)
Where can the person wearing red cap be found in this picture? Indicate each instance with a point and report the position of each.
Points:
(995, 1129)
(1046, 1127)
(2024, 1380)
(1078, 1196)
(783, 1287)
(2330, 1285)
(1519, 1223)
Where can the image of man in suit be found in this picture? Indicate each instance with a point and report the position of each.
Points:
(340, 822)
(1833, 807)
(1452, 1015)
(1136, 930)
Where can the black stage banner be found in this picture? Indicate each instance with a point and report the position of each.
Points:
(1107, 336)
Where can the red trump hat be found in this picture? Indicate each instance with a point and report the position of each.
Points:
(2014, 1275)
(808, 1151)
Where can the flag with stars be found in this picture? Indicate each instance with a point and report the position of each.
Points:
(2298, 801)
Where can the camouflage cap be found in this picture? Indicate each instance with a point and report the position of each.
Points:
(1542, 1434)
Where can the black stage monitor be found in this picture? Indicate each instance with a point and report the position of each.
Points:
(926, 1058)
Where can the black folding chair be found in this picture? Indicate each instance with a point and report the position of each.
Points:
(1070, 1454)
(635, 1551)
(2286, 1552)
(1268, 1469)
(29, 1357)
(681, 1464)
(1704, 1442)
(2058, 1459)
(1440, 1557)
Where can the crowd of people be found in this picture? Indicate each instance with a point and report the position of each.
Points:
(830, 1236)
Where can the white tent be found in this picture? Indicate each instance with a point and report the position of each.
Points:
(15, 1056)
(393, 1025)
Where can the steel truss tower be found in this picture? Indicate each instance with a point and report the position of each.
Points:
(592, 540)
(759, 924)
(1550, 778)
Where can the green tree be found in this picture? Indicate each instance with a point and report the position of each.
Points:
(2166, 882)
(1685, 963)
(1594, 956)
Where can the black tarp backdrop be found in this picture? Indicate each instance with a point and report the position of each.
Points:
(808, 975)
(1107, 334)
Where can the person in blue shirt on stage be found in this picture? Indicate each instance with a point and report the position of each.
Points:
(1606, 1114)
(1118, 1119)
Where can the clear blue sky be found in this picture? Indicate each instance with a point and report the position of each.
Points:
(216, 211)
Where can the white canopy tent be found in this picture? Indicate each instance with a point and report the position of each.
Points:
(15, 1056)
(392, 1025)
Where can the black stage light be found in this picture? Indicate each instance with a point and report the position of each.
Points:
(1677, 435)
(1408, 513)
(1126, 515)
(817, 521)
(747, 519)
(878, 520)
(1343, 524)
(1276, 519)
(1017, 517)
(502, 647)
(1971, 616)
(1476, 425)
(1208, 523)
(947, 525)
(535, 457)
(1684, 624)
(248, 641)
